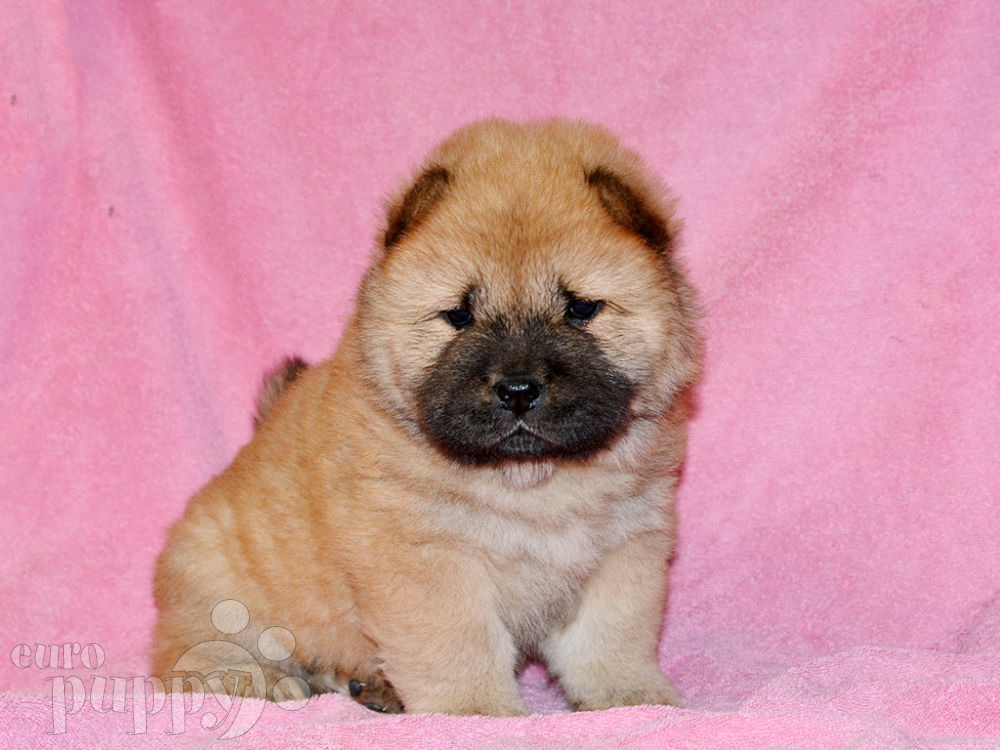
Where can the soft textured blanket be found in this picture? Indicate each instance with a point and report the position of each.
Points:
(188, 191)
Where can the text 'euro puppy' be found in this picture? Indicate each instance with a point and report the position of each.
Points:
(484, 470)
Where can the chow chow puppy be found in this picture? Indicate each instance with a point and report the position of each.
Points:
(484, 471)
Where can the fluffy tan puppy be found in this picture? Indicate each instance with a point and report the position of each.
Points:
(484, 471)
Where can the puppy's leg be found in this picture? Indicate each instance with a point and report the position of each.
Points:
(444, 647)
(606, 656)
(470, 673)
(222, 666)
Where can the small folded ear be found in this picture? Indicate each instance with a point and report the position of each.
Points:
(407, 212)
(627, 208)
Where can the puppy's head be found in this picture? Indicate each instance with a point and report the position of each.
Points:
(524, 302)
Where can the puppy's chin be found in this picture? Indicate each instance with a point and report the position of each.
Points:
(522, 475)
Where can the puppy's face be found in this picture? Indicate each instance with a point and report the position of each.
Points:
(524, 305)
(524, 381)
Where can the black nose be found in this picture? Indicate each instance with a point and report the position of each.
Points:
(518, 393)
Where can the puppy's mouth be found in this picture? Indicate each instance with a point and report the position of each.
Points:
(522, 441)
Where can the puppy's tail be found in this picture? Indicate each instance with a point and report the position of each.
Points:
(275, 383)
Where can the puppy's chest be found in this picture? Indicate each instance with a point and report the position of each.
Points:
(539, 570)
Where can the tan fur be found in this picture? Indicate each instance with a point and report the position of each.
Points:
(275, 383)
(388, 560)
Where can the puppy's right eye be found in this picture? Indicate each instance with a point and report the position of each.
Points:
(459, 317)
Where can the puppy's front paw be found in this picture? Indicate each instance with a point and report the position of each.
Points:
(647, 689)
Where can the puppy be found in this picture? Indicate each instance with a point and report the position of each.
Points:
(484, 470)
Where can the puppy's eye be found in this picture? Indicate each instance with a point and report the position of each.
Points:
(582, 310)
(459, 317)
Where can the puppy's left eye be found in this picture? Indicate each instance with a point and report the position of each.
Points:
(582, 310)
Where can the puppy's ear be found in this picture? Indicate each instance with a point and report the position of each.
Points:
(628, 209)
(408, 211)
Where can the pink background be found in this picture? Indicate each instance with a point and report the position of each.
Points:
(189, 191)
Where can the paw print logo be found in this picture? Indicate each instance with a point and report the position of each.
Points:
(231, 672)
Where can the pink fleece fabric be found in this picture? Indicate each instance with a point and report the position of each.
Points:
(189, 191)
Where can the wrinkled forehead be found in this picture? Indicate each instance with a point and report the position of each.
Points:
(528, 243)
(496, 257)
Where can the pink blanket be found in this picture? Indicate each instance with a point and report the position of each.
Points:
(188, 191)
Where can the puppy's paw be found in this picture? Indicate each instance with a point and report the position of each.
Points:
(651, 689)
(466, 700)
